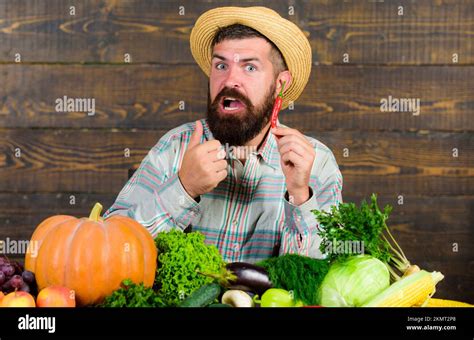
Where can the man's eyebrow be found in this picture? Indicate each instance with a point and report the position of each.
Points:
(245, 60)
(218, 57)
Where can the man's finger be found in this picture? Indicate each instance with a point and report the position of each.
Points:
(216, 155)
(211, 145)
(196, 135)
(294, 158)
(220, 165)
(280, 133)
(296, 147)
(283, 131)
(295, 139)
(221, 175)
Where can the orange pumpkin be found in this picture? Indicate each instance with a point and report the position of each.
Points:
(91, 256)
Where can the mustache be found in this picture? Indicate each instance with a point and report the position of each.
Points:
(231, 92)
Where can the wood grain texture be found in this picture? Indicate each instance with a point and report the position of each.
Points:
(154, 31)
(20, 213)
(403, 162)
(70, 160)
(458, 278)
(148, 96)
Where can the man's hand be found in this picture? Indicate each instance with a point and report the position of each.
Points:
(203, 165)
(297, 157)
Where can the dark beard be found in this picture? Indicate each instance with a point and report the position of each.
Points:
(236, 130)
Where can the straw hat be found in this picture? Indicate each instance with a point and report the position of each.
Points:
(289, 39)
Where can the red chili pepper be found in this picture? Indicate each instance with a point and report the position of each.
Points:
(277, 107)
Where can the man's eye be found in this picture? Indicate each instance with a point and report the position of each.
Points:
(250, 68)
(220, 66)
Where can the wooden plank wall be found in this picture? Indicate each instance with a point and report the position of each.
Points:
(75, 158)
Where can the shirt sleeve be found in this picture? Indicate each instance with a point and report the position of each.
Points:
(154, 195)
(300, 231)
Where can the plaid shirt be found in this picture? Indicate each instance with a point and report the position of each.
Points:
(247, 216)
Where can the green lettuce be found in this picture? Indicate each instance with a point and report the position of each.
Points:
(180, 257)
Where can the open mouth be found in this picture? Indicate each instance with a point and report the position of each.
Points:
(230, 104)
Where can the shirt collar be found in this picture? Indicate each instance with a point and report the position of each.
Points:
(206, 131)
(268, 151)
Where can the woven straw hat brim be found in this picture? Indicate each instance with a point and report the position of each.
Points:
(288, 37)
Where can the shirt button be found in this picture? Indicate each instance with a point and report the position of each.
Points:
(298, 218)
(236, 247)
(235, 222)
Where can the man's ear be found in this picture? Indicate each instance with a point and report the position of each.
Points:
(285, 77)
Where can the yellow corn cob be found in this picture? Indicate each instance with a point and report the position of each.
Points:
(409, 291)
(446, 303)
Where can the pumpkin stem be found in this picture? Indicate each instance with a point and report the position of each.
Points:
(95, 213)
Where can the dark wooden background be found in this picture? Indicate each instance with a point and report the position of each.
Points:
(68, 156)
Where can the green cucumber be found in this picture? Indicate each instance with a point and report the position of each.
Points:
(219, 305)
(202, 296)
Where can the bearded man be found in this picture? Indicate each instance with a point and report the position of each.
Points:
(249, 188)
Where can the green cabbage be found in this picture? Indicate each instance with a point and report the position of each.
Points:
(354, 281)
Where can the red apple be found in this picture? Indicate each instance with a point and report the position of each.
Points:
(56, 296)
(18, 299)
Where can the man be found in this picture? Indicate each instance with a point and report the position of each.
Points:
(253, 198)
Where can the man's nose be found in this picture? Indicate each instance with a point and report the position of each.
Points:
(233, 78)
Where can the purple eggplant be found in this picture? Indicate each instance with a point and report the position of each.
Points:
(248, 277)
